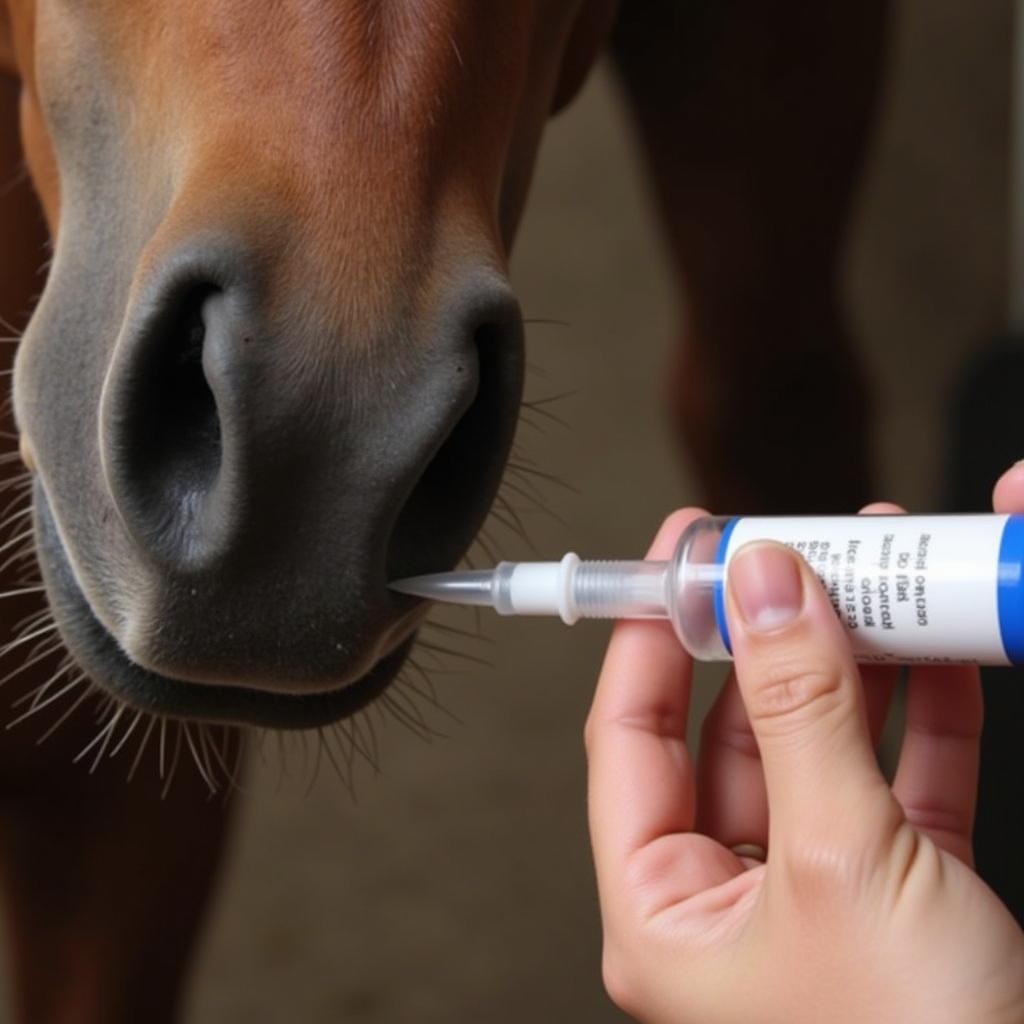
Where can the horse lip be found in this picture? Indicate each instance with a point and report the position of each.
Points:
(402, 629)
(97, 651)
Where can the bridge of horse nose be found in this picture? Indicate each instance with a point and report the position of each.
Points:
(247, 459)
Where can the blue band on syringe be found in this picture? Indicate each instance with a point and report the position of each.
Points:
(720, 616)
(1011, 589)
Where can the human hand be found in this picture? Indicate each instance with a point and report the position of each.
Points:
(867, 908)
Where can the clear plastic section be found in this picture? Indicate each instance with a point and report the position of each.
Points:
(682, 590)
(608, 590)
(696, 574)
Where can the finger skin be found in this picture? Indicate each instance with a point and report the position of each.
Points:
(641, 785)
(732, 805)
(803, 695)
(641, 781)
(936, 781)
(1008, 494)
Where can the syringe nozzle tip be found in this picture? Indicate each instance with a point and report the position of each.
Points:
(416, 586)
(467, 587)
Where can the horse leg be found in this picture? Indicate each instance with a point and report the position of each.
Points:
(753, 118)
(105, 883)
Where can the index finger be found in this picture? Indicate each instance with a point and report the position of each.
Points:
(1008, 493)
(641, 782)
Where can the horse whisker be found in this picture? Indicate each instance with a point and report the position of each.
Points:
(409, 715)
(22, 590)
(481, 541)
(525, 489)
(204, 752)
(142, 746)
(451, 652)
(7, 648)
(538, 404)
(407, 684)
(318, 753)
(455, 631)
(49, 652)
(221, 759)
(241, 747)
(416, 667)
(343, 776)
(15, 516)
(163, 745)
(282, 760)
(521, 469)
(183, 727)
(351, 730)
(67, 714)
(37, 694)
(103, 738)
(38, 704)
(105, 706)
(30, 621)
(110, 729)
(512, 526)
(174, 763)
(126, 735)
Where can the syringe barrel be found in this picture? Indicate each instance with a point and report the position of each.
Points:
(931, 589)
(696, 575)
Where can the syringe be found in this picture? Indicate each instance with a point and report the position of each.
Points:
(907, 588)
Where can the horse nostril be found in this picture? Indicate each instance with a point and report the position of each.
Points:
(272, 474)
(181, 441)
(164, 431)
(453, 494)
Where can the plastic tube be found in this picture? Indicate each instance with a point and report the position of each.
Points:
(942, 589)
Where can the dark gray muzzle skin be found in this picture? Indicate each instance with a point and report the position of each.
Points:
(223, 494)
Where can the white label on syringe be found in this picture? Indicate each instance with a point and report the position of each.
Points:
(907, 588)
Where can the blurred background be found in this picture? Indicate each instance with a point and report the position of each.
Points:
(457, 884)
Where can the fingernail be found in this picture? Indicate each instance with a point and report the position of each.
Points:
(767, 586)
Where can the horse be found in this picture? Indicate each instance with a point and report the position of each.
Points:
(276, 362)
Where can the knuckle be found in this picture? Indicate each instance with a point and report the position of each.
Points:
(647, 870)
(788, 692)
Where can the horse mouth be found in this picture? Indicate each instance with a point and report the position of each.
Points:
(98, 653)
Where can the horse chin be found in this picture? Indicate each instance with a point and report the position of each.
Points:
(98, 653)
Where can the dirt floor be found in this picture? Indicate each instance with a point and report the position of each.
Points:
(457, 886)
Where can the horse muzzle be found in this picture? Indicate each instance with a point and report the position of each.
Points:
(261, 478)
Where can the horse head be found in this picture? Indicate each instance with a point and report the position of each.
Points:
(276, 361)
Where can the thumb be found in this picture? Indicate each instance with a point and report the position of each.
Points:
(804, 699)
